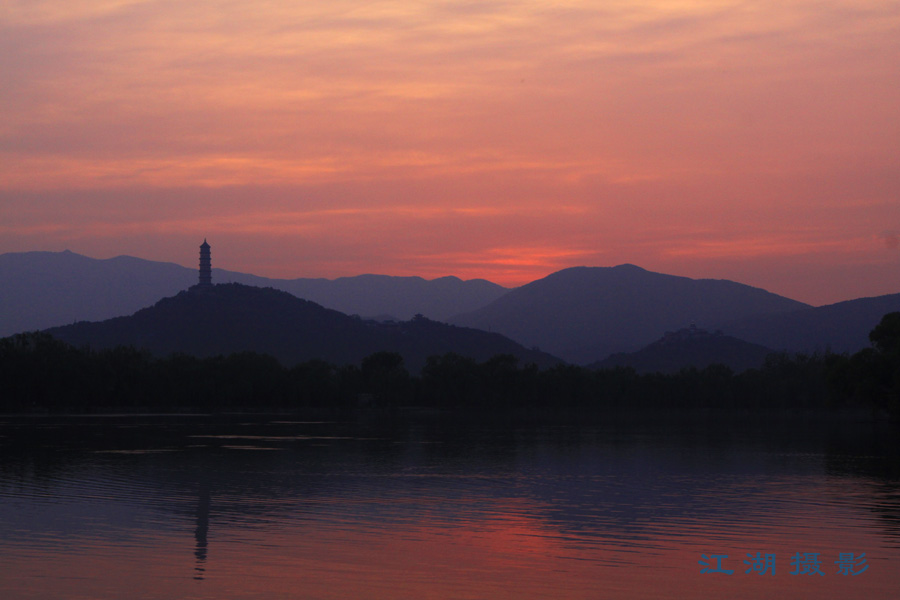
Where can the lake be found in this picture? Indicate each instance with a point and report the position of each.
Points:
(418, 506)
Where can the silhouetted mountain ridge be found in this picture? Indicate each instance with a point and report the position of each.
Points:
(690, 347)
(585, 313)
(229, 318)
(581, 314)
(44, 289)
(47, 289)
(389, 296)
(840, 327)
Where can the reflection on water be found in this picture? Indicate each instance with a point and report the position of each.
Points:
(197, 507)
(202, 529)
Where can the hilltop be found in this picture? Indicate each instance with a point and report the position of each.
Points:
(690, 347)
(230, 318)
(49, 289)
(840, 327)
(581, 314)
(584, 314)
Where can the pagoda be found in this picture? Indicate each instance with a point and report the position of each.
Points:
(205, 265)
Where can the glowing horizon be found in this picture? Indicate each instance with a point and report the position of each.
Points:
(503, 140)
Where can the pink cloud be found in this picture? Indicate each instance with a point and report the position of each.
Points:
(502, 139)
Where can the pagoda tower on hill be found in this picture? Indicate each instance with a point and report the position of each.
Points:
(205, 265)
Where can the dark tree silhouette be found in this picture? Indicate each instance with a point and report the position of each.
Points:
(886, 335)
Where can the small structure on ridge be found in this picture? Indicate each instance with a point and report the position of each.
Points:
(205, 265)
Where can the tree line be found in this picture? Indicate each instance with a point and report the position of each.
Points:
(41, 374)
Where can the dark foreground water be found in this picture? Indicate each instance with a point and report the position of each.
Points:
(433, 506)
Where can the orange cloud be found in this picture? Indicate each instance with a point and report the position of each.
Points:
(513, 138)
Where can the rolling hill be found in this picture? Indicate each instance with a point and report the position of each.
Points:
(690, 347)
(584, 314)
(229, 318)
(47, 289)
(840, 327)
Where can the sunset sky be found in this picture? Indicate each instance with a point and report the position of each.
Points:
(757, 141)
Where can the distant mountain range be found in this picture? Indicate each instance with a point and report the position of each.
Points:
(841, 327)
(584, 314)
(46, 289)
(690, 347)
(229, 318)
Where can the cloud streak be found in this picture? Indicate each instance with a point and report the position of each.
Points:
(391, 128)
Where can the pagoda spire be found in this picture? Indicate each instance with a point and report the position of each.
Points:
(205, 264)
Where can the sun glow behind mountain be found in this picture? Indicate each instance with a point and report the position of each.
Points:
(749, 141)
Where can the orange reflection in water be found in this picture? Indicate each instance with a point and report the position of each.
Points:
(508, 552)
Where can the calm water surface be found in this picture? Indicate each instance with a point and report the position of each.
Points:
(440, 507)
